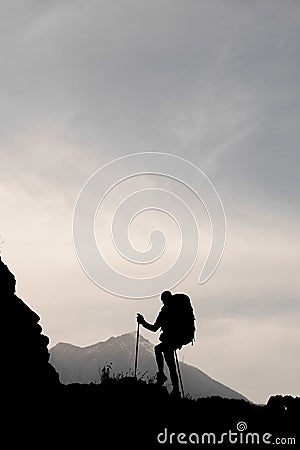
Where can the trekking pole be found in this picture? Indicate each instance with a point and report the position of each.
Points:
(136, 349)
(179, 373)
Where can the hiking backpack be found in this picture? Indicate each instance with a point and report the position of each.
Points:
(183, 319)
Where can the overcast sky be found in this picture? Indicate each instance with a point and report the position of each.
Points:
(213, 81)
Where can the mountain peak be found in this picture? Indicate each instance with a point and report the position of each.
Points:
(83, 366)
(132, 335)
(65, 346)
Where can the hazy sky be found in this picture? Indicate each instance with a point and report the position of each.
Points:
(213, 81)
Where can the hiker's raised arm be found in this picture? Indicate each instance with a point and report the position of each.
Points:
(147, 325)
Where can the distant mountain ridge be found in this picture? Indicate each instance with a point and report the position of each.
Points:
(81, 365)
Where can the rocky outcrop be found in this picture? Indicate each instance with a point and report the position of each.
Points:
(27, 367)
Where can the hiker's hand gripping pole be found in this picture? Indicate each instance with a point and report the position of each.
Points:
(140, 318)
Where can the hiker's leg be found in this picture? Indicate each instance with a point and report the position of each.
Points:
(159, 357)
(170, 360)
(160, 376)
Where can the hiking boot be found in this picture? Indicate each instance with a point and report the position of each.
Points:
(161, 378)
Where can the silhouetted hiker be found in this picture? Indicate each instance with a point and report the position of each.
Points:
(176, 321)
